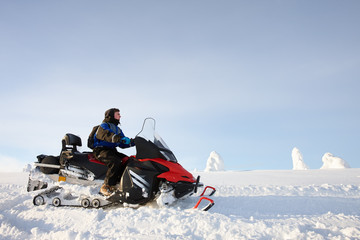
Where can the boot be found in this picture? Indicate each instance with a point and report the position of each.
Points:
(106, 190)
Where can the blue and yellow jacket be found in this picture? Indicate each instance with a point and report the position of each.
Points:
(104, 136)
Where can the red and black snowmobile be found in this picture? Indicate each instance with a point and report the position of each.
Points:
(152, 174)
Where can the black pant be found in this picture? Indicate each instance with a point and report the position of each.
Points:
(113, 160)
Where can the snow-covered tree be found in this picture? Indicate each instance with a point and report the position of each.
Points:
(214, 163)
(330, 162)
(297, 158)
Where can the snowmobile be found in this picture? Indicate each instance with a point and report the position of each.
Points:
(152, 174)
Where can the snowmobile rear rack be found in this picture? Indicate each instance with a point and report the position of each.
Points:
(47, 165)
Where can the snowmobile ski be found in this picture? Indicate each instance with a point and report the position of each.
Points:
(213, 190)
(208, 206)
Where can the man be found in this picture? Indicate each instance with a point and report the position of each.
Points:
(106, 139)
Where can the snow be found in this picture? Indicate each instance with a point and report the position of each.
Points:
(214, 162)
(298, 162)
(332, 162)
(276, 204)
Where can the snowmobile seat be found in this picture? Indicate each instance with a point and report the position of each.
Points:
(71, 140)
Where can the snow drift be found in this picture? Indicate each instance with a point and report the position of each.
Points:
(214, 163)
(282, 204)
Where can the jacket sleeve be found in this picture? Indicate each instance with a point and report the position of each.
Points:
(123, 145)
(104, 133)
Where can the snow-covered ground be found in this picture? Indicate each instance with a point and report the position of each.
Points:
(283, 204)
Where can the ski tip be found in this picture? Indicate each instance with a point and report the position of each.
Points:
(208, 206)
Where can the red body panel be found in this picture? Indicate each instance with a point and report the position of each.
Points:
(176, 172)
(92, 159)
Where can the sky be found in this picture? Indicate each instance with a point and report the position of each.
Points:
(250, 80)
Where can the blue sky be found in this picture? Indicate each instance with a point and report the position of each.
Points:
(248, 79)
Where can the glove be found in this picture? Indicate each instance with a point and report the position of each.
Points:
(125, 140)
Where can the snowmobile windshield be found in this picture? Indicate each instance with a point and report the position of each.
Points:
(158, 144)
